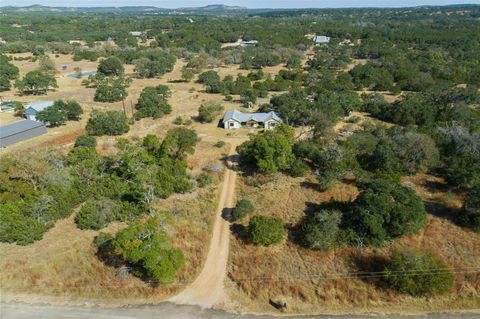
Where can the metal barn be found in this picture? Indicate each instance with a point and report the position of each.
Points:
(20, 131)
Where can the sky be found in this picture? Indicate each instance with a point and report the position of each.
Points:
(244, 3)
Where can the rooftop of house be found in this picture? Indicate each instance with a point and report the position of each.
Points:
(321, 39)
(18, 127)
(39, 105)
(245, 117)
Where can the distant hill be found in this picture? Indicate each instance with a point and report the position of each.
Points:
(40, 8)
(205, 10)
(214, 7)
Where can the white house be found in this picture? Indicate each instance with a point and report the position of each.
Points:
(33, 108)
(135, 33)
(236, 119)
(248, 43)
(321, 39)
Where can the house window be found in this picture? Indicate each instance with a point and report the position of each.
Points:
(231, 124)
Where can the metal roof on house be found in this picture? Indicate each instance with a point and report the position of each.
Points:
(18, 127)
(39, 105)
(245, 117)
(321, 39)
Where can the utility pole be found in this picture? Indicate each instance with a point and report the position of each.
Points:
(123, 104)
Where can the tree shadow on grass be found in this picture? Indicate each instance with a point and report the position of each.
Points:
(438, 209)
(240, 231)
(227, 214)
(370, 269)
(106, 253)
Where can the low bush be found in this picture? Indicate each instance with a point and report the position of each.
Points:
(147, 247)
(266, 231)
(298, 168)
(207, 112)
(418, 273)
(86, 141)
(107, 123)
(96, 214)
(204, 179)
(322, 230)
(243, 208)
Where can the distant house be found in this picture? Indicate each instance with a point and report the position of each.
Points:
(136, 33)
(244, 43)
(20, 131)
(236, 119)
(33, 108)
(321, 39)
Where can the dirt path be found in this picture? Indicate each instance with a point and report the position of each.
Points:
(208, 289)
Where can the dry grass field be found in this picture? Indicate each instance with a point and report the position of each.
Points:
(313, 281)
(63, 265)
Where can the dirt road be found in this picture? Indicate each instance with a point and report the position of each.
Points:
(208, 289)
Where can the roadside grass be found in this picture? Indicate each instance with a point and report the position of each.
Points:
(313, 281)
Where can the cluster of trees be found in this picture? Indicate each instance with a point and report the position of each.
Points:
(120, 187)
(107, 123)
(270, 151)
(153, 102)
(384, 210)
(35, 192)
(8, 72)
(148, 248)
(36, 82)
(60, 112)
(153, 63)
(110, 89)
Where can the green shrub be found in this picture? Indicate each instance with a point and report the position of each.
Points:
(96, 214)
(17, 228)
(418, 273)
(243, 208)
(322, 230)
(148, 248)
(385, 210)
(178, 120)
(219, 144)
(111, 66)
(298, 168)
(86, 141)
(207, 112)
(153, 102)
(270, 151)
(204, 179)
(266, 231)
(107, 123)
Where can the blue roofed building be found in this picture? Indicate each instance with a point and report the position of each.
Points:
(20, 131)
(33, 108)
(236, 119)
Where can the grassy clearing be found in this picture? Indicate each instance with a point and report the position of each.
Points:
(298, 275)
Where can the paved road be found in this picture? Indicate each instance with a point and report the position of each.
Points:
(164, 311)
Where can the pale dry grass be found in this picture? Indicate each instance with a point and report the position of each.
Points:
(298, 275)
